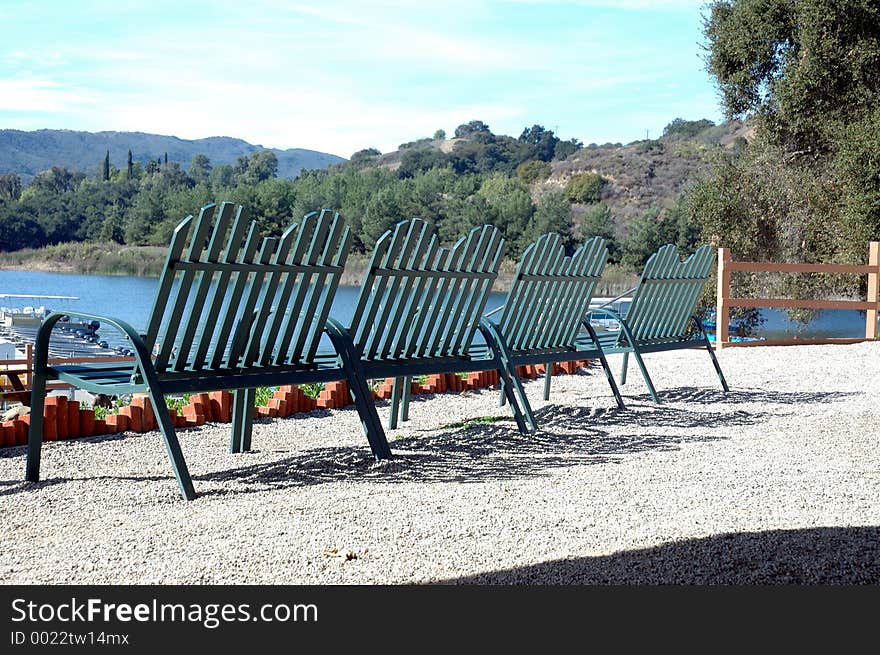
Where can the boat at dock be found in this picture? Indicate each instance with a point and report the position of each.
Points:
(21, 315)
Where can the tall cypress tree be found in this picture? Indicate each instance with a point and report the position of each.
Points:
(166, 158)
(105, 172)
(130, 165)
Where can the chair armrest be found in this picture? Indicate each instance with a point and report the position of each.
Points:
(608, 312)
(41, 342)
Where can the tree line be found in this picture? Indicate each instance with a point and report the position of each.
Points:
(484, 178)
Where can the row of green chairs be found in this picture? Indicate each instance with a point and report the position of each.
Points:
(237, 311)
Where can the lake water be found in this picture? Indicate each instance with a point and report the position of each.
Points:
(130, 299)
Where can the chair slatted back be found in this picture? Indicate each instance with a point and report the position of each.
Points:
(419, 300)
(551, 293)
(229, 299)
(667, 293)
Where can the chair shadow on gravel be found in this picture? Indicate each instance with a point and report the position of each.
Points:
(828, 555)
(491, 448)
(706, 396)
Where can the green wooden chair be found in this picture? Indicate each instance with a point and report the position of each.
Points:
(546, 305)
(661, 312)
(420, 306)
(541, 316)
(232, 311)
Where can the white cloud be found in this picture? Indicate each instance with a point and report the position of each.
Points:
(39, 95)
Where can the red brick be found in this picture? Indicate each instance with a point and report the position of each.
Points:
(50, 420)
(20, 427)
(73, 430)
(116, 423)
(87, 422)
(8, 434)
(136, 418)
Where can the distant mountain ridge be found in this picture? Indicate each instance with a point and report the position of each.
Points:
(30, 152)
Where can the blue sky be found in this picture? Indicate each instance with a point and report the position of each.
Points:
(338, 76)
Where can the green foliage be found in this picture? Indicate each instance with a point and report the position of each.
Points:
(263, 395)
(533, 171)
(656, 228)
(585, 188)
(485, 178)
(799, 66)
(471, 129)
(200, 169)
(565, 149)
(439, 135)
(313, 389)
(806, 187)
(552, 214)
(597, 222)
(688, 129)
(10, 186)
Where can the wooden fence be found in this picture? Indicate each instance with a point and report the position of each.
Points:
(16, 375)
(724, 300)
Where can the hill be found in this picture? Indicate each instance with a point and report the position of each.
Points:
(638, 177)
(28, 153)
(647, 174)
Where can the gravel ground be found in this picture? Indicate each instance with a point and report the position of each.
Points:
(776, 482)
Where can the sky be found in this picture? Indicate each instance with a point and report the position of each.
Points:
(338, 76)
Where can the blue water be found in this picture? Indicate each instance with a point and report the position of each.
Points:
(130, 299)
(127, 298)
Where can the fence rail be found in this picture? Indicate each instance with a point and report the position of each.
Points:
(725, 301)
(12, 371)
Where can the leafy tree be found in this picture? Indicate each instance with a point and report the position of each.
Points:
(222, 176)
(686, 129)
(533, 171)
(552, 214)
(805, 188)
(511, 209)
(656, 228)
(565, 149)
(419, 160)
(10, 186)
(471, 128)
(439, 135)
(585, 188)
(200, 168)
(598, 222)
(363, 157)
(105, 169)
(112, 227)
(19, 231)
(539, 143)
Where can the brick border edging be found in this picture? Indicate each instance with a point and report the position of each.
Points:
(65, 419)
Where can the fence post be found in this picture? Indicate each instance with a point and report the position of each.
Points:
(873, 290)
(29, 359)
(722, 311)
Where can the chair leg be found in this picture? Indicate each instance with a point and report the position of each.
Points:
(605, 367)
(404, 402)
(359, 389)
(172, 445)
(516, 396)
(645, 375)
(242, 420)
(548, 373)
(623, 368)
(711, 351)
(372, 425)
(502, 395)
(35, 434)
(395, 403)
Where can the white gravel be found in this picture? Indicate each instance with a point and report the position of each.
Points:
(778, 481)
